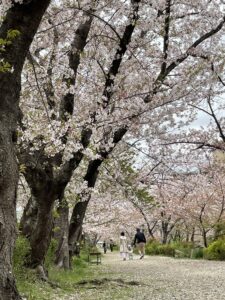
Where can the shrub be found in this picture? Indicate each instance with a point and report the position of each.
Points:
(20, 254)
(156, 248)
(219, 230)
(197, 253)
(152, 248)
(166, 249)
(184, 247)
(215, 251)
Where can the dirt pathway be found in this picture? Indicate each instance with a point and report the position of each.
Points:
(154, 278)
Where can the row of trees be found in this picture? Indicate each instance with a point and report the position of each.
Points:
(182, 199)
(92, 73)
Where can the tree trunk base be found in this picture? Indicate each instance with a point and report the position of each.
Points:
(42, 273)
(9, 290)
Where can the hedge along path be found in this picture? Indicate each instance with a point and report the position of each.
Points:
(154, 277)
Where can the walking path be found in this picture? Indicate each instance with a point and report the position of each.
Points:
(154, 278)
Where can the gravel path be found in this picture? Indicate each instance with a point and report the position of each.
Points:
(154, 278)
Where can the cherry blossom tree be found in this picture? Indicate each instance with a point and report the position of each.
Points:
(164, 73)
(49, 176)
(121, 84)
(64, 174)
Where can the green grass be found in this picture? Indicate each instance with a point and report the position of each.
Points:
(65, 281)
(68, 279)
(61, 282)
(34, 290)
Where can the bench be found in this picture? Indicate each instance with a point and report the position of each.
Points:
(94, 258)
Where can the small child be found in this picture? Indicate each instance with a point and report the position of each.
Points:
(130, 252)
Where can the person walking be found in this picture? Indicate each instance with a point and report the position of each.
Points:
(104, 247)
(123, 246)
(140, 240)
(111, 245)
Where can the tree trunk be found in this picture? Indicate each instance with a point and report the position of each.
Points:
(61, 229)
(76, 222)
(204, 237)
(193, 235)
(25, 18)
(164, 232)
(29, 217)
(37, 220)
(8, 186)
(187, 236)
(41, 235)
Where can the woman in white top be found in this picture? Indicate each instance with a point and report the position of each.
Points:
(123, 246)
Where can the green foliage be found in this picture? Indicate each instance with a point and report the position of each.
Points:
(197, 253)
(11, 35)
(55, 214)
(184, 247)
(156, 248)
(68, 279)
(215, 251)
(20, 253)
(152, 247)
(130, 175)
(49, 260)
(219, 230)
(116, 247)
(22, 168)
(143, 195)
(127, 171)
(31, 288)
(5, 66)
(126, 167)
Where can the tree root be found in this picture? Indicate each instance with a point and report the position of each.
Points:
(100, 282)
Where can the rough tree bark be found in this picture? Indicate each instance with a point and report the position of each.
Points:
(61, 229)
(165, 232)
(25, 18)
(46, 188)
(29, 217)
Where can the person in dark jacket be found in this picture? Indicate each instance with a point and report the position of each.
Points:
(111, 245)
(104, 247)
(140, 240)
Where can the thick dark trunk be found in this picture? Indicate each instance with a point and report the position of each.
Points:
(37, 220)
(8, 187)
(165, 232)
(61, 229)
(76, 222)
(90, 177)
(204, 237)
(164, 237)
(25, 18)
(80, 208)
(29, 217)
(41, 235)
